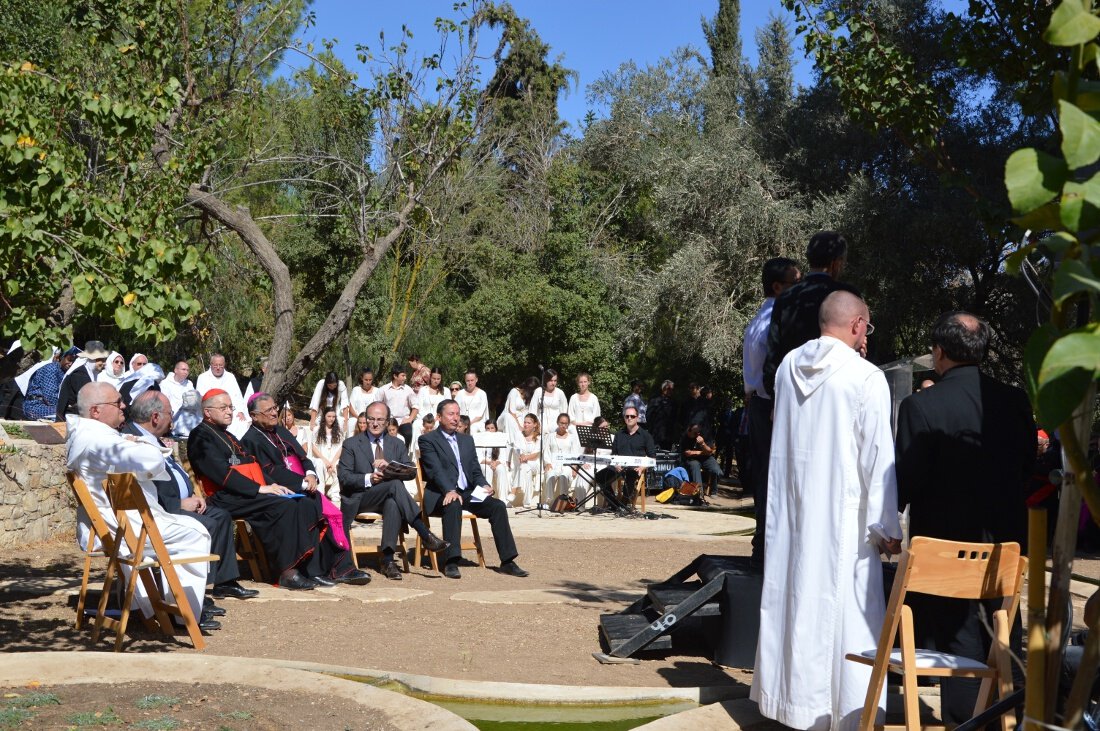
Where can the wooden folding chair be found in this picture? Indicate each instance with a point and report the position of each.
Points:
(639, 487)
(100, 534)
(125, 494)
(474, 543)
(375, 549)
(958, 570)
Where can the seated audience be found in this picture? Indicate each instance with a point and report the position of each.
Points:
(288, 528)
(325, 446)
(364, 487)
(698, 457)
(43, 384)
(114, 371)
(94, 449)
(560, 478)
(525, 463)
(90, 362)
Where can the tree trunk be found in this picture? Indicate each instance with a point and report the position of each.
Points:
(283, 377)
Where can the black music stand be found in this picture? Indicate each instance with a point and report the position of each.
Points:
(594, 438)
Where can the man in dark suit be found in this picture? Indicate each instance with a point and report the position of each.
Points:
(150, 418)
(453, 482)
(363, 487)
(95, 354)
(794, 314)
(965, 451)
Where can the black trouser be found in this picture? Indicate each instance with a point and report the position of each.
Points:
(958, 626)
(608, 475)
(392, 500)
(219, 523)
(492, 510)
(760, 447)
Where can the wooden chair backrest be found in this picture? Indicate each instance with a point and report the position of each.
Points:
(99, 526)
(961, 570)
(125, 493)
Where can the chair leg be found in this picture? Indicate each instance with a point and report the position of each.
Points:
(404, 553)
(83, 599)
(131, 586)
(477, 543)
(909, 671)
(183, 606)
(101, 609)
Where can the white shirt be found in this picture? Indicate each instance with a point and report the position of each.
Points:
(474, 405)
(228, 383)
(756, 349)
(581, 411)
(341, 397)
(553, 404)
(174, 390)
(400, 400)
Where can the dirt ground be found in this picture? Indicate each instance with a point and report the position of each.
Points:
(441, 627)
(168, 706)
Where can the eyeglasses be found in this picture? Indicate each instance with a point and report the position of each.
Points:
(870, 327)
(116, 404)
(630, 416)
(99, 360)
(376, 421)
(273, 410)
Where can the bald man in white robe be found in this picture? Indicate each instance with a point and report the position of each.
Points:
(831, 479)
(94, 449)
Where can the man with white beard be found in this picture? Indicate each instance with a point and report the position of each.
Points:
(94, 449)
(218, 377)
(832, 508)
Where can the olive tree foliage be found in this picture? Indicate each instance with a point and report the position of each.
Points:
(713, 212)
(90, 229)
(364, 174)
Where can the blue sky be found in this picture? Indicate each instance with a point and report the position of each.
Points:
(591, 36)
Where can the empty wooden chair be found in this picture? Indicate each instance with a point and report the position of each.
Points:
(473, 544)
(978, 571)
(125, 494)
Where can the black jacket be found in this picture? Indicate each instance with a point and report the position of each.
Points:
(70, 387)
(794, 319)
(966, 449)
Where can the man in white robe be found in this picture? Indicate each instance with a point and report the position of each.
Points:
(218, 377)
(831, 480)
(94, 449)
(473, 402)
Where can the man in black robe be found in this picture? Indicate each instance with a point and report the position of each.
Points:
(290, 528)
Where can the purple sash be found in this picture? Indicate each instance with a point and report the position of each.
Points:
(333, 516)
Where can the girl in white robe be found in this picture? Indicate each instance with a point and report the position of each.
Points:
(495, 463)
(517, 406)
(363, 395)
(559, 477)
(325, 448)
(525, 464)
(330, 391)
(547, 404)
(584, 407)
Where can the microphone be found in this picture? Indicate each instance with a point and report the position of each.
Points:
(541, 368)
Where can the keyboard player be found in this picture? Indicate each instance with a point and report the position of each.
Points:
(631, 441)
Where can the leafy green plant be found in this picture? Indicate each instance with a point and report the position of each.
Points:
(32, 700)
(12, 717)
(94, 718)
(156, 701)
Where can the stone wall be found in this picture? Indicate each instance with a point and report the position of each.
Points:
(35, 500)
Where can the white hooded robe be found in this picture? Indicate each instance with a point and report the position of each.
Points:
(831, 476)
(95, 449)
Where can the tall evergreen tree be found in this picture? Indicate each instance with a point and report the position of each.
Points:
(723, 35)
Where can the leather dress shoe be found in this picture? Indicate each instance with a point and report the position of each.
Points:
(512, 569)
(232, 590)
(209, 624)
(451, 571)
(296, 581)
(434, 543)
(356, 577)
(322, 580)
(390, 571)
(209, 608)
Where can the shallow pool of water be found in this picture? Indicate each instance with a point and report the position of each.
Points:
(509, 717)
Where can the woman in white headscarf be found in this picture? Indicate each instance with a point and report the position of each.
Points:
(115, 370)
(137, 362)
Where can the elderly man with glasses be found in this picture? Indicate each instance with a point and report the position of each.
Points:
(286, 521)
(95, 448)
(364, 487)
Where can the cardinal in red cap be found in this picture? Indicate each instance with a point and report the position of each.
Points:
(286, 518)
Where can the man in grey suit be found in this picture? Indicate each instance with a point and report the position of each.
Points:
(363, 487)
(453, 482)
